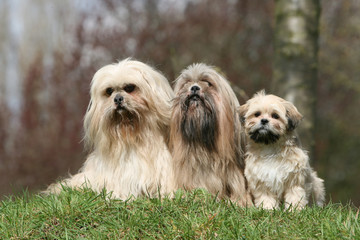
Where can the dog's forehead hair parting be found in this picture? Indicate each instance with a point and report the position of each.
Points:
(115, 77)
(266, 104)
(198, 71)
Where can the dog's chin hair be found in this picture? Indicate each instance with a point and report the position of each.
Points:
(268, 138)
(199, 126)
(123, 119)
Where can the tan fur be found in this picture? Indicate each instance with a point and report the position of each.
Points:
(214, 162)
(129, 154)
(277, 171)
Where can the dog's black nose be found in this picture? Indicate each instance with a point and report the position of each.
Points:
(264, 121)
(118, 99)
(195, 88)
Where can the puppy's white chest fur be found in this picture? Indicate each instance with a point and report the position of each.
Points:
(273, 171)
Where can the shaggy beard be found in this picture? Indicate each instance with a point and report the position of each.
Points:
(199, 123)
(122, 124)
(264, 136)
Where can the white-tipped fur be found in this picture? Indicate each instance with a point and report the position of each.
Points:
(127, 140)
(277, 170)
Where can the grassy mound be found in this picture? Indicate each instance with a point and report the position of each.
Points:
(193, 215)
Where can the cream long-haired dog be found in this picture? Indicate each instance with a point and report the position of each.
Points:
(277, 169)
(126, 129)
(205, 136)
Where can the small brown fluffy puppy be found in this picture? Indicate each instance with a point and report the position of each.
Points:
(277, 170)
(205, 135)
(126, 129)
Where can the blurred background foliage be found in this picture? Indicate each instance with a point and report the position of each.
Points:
(51, 49)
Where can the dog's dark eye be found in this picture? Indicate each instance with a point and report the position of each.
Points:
(275, 116)
(257, 114)
(206, 81)
(109, 91)
(129, 88)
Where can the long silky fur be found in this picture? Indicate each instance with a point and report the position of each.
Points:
(129, 155)
(201, 128)
(205, 141)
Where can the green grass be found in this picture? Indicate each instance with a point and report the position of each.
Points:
(195, 215)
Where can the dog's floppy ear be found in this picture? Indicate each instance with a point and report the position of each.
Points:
(242, 110)
(293, 115)
(91, 124)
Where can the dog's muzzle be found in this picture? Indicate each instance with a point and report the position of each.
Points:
(119, 100)
(193, 99)
(264, 135)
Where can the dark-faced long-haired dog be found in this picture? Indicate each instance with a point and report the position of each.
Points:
(126, 129)
(205, 138)
(277, 169)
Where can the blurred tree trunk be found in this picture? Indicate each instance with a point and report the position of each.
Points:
(295, 66)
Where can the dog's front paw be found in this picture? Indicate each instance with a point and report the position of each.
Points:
(266, 202)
